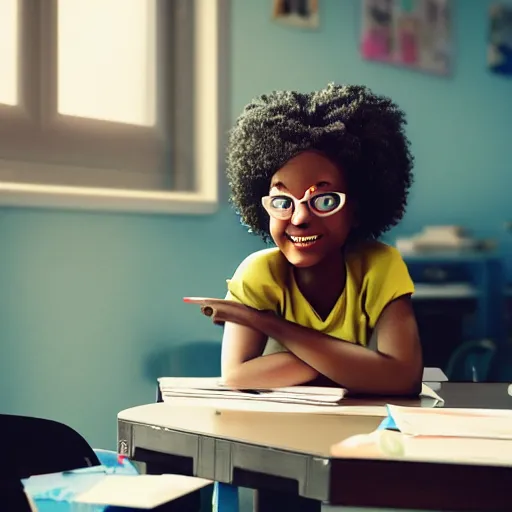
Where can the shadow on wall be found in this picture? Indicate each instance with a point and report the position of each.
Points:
(191, 359)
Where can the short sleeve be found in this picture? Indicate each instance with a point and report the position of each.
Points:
(257, 282)
(387, 279)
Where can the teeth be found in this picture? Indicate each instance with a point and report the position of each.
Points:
(303, 239)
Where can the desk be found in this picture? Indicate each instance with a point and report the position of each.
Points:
(276, 451)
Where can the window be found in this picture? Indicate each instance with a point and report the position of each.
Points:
(112, 104)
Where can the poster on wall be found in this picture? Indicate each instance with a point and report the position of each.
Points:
(412, 33)
(499, 51)
(296, 13)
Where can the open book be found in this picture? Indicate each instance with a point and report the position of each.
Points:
(171, 387)
(465, 436)
(449, 422)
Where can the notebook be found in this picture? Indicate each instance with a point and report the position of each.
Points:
(171, 387)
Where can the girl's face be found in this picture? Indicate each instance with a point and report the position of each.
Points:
(310, 216)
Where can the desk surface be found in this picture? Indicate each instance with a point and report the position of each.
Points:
(237, 446)
(276, 425)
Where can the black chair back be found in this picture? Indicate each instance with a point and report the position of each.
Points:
(39, 446)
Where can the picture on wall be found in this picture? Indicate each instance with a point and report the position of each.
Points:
(499, 52)
(296, 13)
(412, 33)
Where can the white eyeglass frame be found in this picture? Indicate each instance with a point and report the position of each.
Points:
(310, 194)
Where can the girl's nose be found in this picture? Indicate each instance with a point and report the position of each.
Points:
(301, 215)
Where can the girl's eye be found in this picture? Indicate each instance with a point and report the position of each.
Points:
(325, 202)
(281, 203)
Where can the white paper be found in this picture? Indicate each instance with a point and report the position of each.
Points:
(240, 402)
(465, 450)
(173, 387)
(434, 386)
(398, 446)
(448, 422)
(213, 388)
(434, 375)
(428, 392)
(140, 491)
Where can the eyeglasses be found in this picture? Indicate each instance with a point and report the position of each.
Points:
(281, 206)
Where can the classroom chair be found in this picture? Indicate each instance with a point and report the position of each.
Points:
(43, 446)
(36, 446)
(471, 361)
(12, 493)
(13, 497)
(500, 368)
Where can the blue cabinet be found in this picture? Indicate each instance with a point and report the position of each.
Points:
(451, 287)
(463, 276)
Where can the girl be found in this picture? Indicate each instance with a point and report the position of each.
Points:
(323, 175)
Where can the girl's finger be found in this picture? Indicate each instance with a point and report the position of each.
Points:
(203, 300)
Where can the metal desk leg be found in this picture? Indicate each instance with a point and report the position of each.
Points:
(275, 501)
(225, 498)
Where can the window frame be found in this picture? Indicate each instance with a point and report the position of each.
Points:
(209, 100)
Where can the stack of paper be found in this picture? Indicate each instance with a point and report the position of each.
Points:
(213, 388)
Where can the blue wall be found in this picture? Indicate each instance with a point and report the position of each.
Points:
(86, 300)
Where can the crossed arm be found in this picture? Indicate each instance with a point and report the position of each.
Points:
(394, 369)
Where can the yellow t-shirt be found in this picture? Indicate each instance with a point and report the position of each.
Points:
(376, 275)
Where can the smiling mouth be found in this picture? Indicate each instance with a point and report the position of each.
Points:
(303, 241)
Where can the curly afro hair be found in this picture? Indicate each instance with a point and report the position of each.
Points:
(360, 132)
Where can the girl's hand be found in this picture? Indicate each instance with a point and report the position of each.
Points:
(221, 311)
